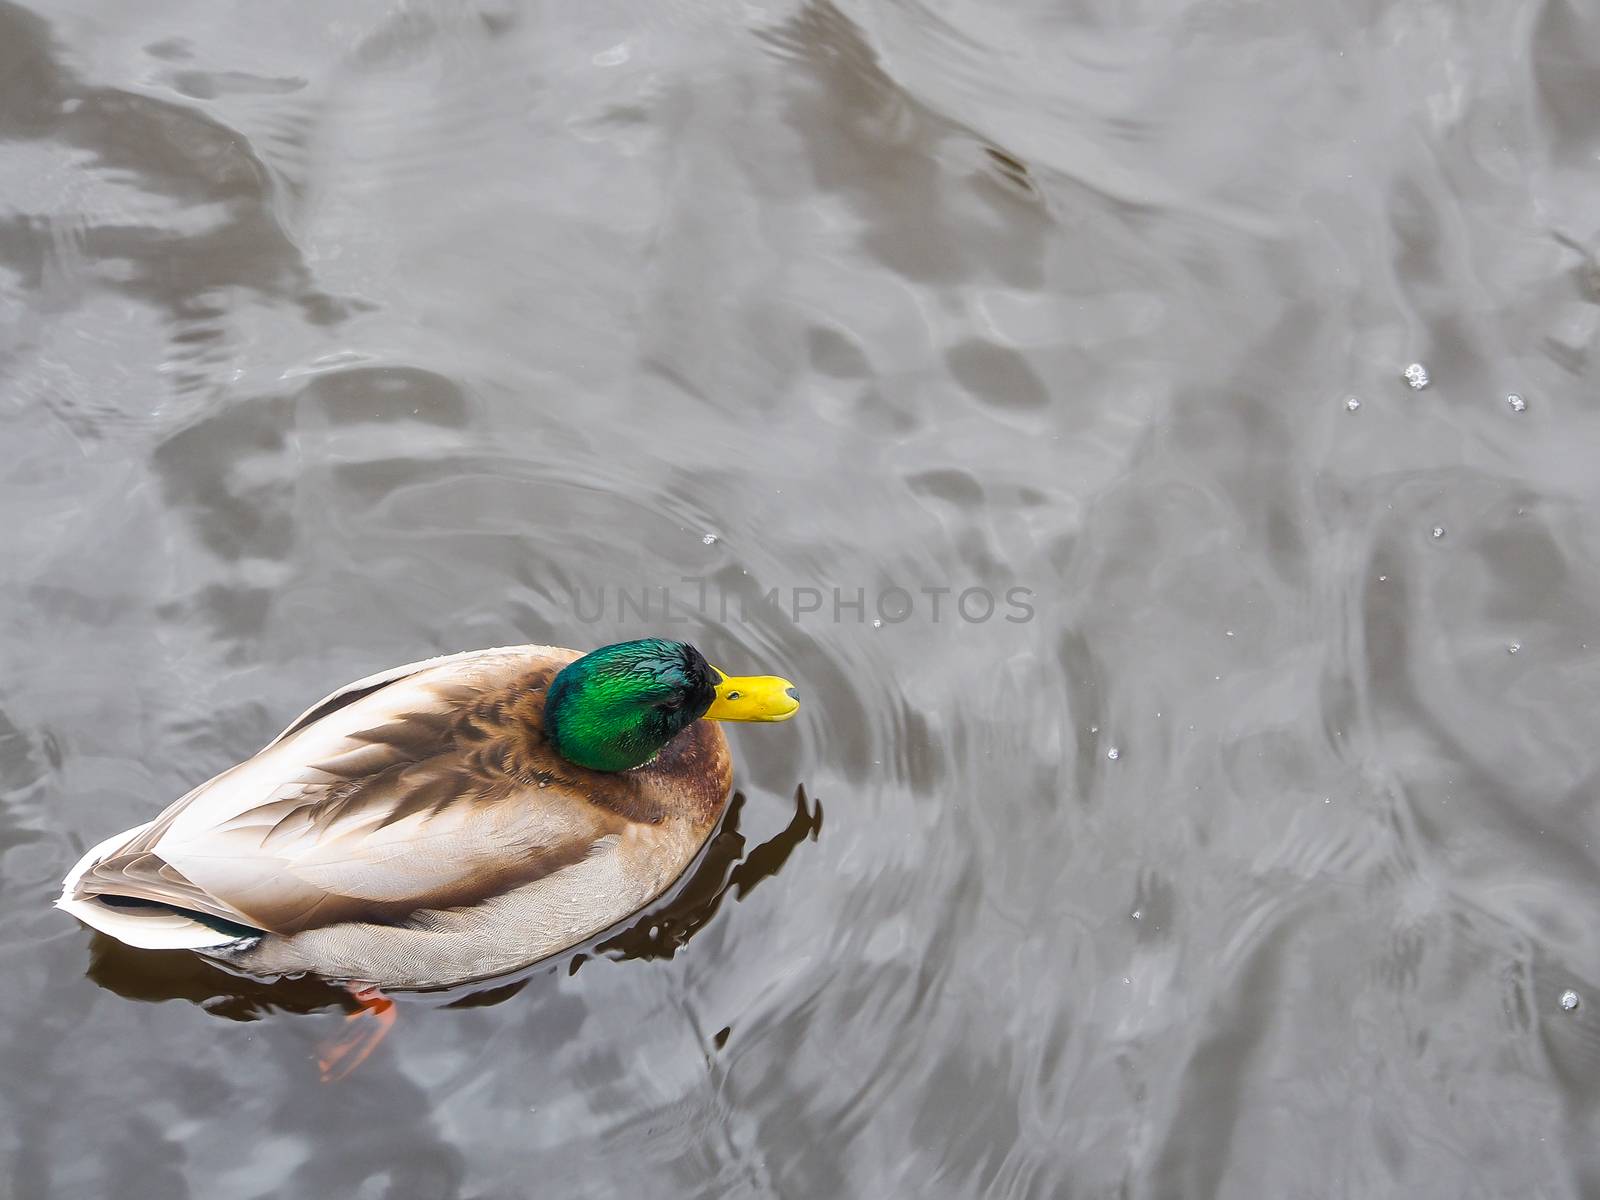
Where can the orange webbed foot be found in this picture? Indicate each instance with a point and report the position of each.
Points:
(363, 1030)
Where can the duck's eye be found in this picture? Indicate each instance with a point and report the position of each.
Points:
(671, 703)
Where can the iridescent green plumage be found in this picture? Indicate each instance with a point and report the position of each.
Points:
(615, 708)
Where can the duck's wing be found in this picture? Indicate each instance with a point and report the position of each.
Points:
(390, 797)
(466, 661)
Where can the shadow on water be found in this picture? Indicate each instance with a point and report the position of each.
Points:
(660, 931)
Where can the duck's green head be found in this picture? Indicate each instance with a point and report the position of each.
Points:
(615, 708)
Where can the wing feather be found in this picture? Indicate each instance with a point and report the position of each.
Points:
(384, 798)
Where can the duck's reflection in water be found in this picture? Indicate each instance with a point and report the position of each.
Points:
(659, 931)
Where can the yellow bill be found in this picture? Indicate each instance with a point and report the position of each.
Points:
(753, 698)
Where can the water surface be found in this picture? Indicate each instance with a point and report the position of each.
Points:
(1253, 861)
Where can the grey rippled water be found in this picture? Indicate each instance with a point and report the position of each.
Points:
(1247, 851)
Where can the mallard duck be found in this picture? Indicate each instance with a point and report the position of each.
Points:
(446, 821)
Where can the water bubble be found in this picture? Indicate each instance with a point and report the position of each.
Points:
(1352, 404)
(1569, 1000)
(710, 539)
(1438, 532)
(877, 623)
(1417, 376)
(1514, 647)
(1113, 754)
(1517, 403)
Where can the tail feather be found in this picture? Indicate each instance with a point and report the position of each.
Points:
(148, 926)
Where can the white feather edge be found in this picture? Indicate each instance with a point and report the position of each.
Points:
(147, 928)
